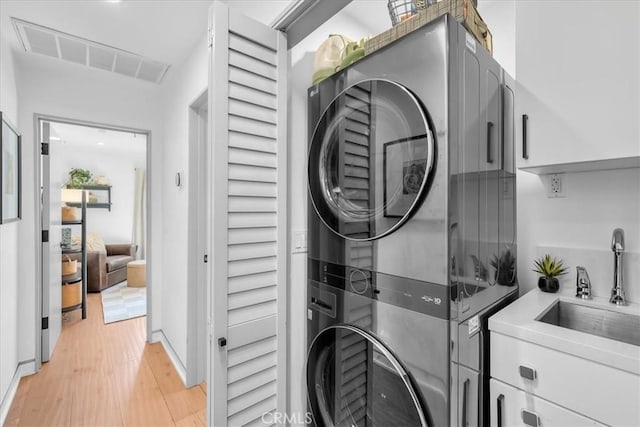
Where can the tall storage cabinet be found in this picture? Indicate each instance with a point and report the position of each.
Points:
(578, 80)
(74, 286)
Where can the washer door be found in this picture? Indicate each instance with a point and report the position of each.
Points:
(354, 380)
(371, 159)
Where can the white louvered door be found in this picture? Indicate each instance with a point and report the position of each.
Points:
(248, 299)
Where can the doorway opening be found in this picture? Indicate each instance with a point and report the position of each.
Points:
(94, 221)
(198, 231)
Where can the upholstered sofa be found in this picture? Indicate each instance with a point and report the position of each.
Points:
(107, 267)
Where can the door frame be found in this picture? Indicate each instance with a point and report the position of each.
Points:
(38, 217)
(199, 241)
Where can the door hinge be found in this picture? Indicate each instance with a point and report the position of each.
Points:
(210, 34)
(222, 342)
(44, 148)
(206, 258)
(45, 236)
(45, 323)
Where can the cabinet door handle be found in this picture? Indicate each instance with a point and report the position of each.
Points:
(489, 153)
(499, 410)
(527, 372)
(525, 132)
(530, 418)
(465, 400)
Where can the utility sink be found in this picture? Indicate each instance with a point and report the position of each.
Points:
(596, 321)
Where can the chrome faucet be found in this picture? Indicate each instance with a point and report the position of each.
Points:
(583, 284)
(617, 246)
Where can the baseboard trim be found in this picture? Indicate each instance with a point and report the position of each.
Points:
(27, 367)
(159, 336)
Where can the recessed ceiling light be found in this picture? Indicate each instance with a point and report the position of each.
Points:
(54, 138)
(100, 143)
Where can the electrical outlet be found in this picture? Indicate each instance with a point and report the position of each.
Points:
(557, 185)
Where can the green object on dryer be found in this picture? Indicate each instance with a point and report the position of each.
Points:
(328, 56)
(322, 74)
(352, 57)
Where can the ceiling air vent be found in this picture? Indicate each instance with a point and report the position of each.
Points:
(46, 41)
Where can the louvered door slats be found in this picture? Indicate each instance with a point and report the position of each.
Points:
(249, 154)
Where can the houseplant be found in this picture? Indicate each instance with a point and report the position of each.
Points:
(505, 266)
(550, 268)
(78, 178)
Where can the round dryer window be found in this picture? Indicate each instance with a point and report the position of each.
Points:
(371, 159)
(354, 380)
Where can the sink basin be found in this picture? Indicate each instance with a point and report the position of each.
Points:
(596, 321)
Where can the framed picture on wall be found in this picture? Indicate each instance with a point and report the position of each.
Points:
(10, 172)
(405, 164)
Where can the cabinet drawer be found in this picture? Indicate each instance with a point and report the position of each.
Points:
(600, 392)
(517, 408)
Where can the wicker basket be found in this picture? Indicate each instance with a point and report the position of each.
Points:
(68, 213)
(71, 294)
(69, 266)
(463, 11)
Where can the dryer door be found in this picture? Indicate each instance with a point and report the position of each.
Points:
(371, 160)
(355, 380)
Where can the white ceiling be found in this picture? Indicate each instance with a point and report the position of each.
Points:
(164, 30)
(87, 138)
(160, 30)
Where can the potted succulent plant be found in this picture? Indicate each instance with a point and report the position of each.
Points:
(505, 267)
(550, 268)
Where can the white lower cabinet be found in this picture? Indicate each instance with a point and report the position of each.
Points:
(596, 391)
(513, 407)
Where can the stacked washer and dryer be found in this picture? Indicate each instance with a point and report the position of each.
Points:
(412, 232)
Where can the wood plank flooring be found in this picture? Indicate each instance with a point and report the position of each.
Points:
(106, 375)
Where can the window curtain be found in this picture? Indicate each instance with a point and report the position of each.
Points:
(140, 213)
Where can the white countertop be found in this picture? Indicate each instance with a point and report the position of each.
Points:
(518, 320)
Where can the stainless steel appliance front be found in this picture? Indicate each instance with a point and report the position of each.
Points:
(412, 204)
(374, 363)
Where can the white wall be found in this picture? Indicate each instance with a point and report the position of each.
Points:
(9, 236)
(578, 228)
(183, 85)
(500, 17)
(116, 225)
(53, 87)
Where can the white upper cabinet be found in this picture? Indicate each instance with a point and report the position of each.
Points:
(578, 75)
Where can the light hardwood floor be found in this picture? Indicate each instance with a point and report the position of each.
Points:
(106, 375)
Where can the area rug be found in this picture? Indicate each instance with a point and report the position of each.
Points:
(120, 302)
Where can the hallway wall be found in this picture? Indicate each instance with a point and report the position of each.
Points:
(9, 236)
(183, 85)
(52, 87)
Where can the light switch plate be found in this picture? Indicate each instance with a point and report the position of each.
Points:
(299, 241)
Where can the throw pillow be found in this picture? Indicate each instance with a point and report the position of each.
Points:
(95, 243)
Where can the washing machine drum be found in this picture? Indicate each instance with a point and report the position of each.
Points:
(371, 160)
(355, 380)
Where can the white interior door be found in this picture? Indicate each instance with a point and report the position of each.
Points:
(247, 105)
(51, 255)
